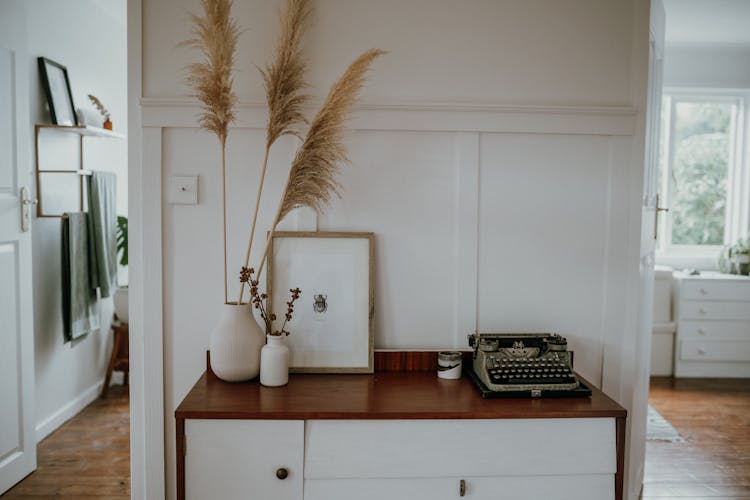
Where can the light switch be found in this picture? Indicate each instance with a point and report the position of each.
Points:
(182, 190)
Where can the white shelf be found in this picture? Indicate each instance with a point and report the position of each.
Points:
(83, 130)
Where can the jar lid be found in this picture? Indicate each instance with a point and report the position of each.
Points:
(449, 355)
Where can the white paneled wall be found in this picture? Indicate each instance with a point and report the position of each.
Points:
(493, 156)
(544, 221)
(402, 186)
(499, 230)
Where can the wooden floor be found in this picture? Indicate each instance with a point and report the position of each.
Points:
(87, 458)
(713, 415)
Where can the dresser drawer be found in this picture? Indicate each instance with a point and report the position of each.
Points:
(715, 330)
(693, 309)
(727, 350)
(449, 448)
(716, 290)
(581, 487)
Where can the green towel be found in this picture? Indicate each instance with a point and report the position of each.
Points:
(79, 302)
(102, 196)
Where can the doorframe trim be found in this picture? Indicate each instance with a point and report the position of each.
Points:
(147, 465)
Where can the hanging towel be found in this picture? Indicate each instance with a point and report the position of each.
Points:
(102, 196)
(79, 303)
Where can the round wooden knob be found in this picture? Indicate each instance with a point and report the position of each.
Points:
(282, 472)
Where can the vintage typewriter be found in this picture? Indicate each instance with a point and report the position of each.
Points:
(524, 365)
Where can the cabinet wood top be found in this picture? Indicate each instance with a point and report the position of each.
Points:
(383, 395)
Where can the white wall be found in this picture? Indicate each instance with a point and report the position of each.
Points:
(708, 66)
(494, 158)
(89, 38)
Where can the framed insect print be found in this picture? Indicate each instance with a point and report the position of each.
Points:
(332, 328)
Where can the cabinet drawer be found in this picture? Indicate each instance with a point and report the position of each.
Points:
(581, 487)
(449, 448)
(716, 290)
(692, 309)
(696, 350)
(232, 459)
(714, 330)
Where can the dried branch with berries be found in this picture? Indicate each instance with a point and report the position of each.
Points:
(259, 300)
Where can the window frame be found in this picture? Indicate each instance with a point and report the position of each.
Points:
(738, 177)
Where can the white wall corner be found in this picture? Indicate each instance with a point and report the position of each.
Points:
(49, 424)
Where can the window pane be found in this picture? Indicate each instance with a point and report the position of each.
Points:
(699, 172)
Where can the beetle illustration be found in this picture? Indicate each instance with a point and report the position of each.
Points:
(320, 304)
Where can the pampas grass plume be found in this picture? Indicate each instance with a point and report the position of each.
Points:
(215, 35)
(312, 178)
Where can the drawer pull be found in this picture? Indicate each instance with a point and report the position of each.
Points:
(704, 291)
(282, 472)
(462, 488)
(701, 351)
(702, 310)
(702, 331)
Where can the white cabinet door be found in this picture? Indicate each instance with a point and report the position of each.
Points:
(578, 487)
(239, 459)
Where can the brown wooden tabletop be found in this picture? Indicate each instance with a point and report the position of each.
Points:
(387, 395)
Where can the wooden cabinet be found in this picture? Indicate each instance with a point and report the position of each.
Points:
(393, 435)
(713, 325)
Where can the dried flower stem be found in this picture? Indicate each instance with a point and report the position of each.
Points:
(215, 35)
(223, 140)
(283, 79)
(259, 299)
(255, 216)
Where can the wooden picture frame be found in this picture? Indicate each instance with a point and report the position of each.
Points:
(330, 268)
(54, 77)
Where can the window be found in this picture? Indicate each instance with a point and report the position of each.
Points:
(703, 173)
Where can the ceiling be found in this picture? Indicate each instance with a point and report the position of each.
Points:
(708, 22)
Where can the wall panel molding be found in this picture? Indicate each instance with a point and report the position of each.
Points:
(427, 117)
(467, 234)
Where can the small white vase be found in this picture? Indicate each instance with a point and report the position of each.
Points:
(274, 362)
(235, 344)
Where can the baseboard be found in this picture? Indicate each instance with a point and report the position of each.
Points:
(51, 423)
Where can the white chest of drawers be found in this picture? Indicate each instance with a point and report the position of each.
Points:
(394, 436)
(713, 325)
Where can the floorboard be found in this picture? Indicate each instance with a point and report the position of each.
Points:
(713, 415)
(87, 458)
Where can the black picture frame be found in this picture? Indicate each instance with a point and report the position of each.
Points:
(54, 77)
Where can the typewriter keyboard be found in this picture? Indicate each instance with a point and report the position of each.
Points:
(531, 371)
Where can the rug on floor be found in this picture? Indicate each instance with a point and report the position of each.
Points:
(658, 429)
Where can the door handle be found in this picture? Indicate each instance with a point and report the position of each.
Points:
(26, 204)
(658, 209)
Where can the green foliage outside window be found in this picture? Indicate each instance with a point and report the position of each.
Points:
(699, 172)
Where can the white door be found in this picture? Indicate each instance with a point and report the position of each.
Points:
(637, 416)
(17, 435)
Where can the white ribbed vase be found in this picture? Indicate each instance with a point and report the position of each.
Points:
(235, 344)
(274, 362)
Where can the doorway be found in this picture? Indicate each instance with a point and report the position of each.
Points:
(71, 156)
(699, 360)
